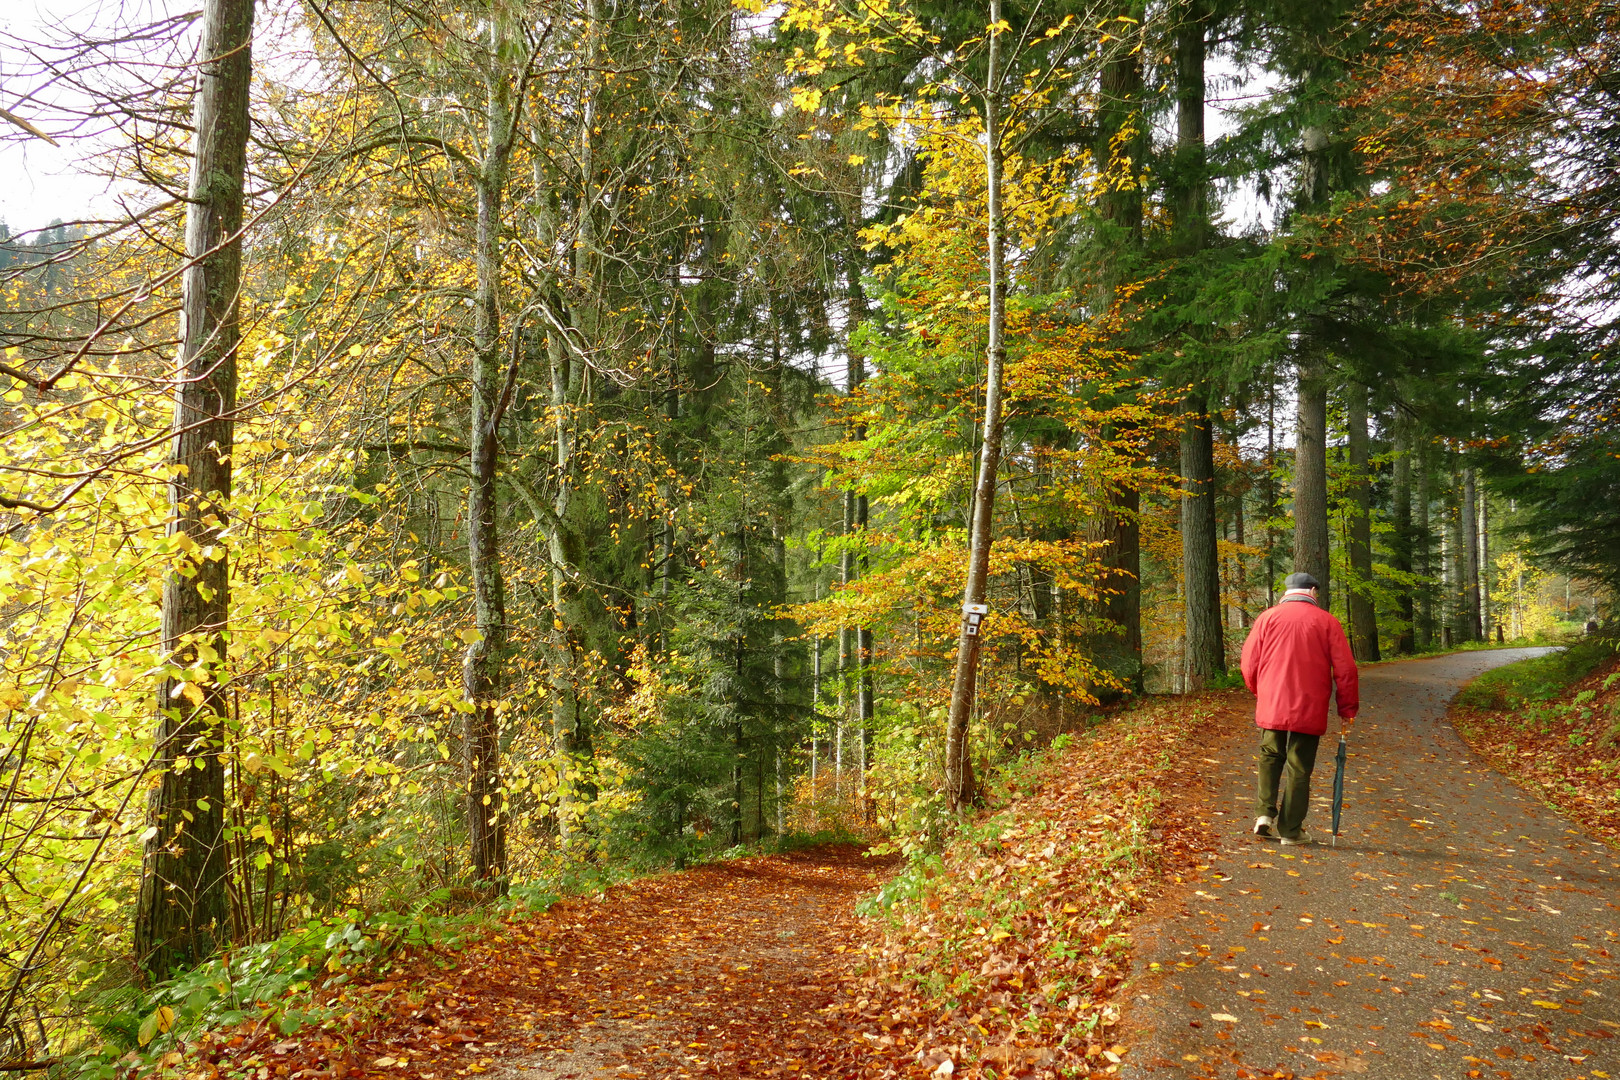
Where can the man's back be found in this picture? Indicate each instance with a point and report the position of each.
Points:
(1294, 655)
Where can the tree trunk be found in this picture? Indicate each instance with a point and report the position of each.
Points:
(666, 579)
(1191, 194)
(182, 908)
(739, 747)
(1401, 541)
(856, 512)
(570, 730)
(1206, 652)
(1363, 615)
(865, 695)
(1206, 649)
(1116, 529)
(846, 655)
(1484, 567)
(1424, 540)
(1310, 477)
(1455, 559)
(815, 692)
(1469, 544)
(483, 667)
(959, 783)
(1271, 487)
(569, 378)
(1240, 570)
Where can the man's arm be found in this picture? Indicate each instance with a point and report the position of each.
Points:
(1345, 676)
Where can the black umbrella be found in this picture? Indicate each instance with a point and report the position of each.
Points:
(1338, 787)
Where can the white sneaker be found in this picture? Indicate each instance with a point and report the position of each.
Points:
(1303, 838)
(1265, 827)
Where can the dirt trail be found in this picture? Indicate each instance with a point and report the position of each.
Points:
(1459, 928)
(719, 971)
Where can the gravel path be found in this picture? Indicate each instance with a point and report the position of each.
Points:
(1459, 928)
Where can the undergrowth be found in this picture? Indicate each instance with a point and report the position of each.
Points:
(281, 987)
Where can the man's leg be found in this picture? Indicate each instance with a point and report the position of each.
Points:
(1296, 782)
(1271, 767)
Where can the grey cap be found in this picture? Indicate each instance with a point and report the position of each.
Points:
(1301, 581)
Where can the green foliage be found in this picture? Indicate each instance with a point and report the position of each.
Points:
(1538, 679)
(281, 983)
(1231, 679)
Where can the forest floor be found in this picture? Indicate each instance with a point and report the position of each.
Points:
(1458, 929)
(759, 967)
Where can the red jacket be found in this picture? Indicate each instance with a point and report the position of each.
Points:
(1295, 654)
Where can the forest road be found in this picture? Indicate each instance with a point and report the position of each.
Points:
(1459, 929)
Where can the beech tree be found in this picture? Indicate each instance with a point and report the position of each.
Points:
(182, 912)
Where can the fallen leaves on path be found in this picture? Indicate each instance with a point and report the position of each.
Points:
(1567, 750)
(725, 970)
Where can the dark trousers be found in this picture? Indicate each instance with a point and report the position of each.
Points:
(1286, 761)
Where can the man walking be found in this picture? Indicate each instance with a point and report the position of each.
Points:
(1295, 655)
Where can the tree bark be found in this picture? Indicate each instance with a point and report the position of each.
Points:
(1484, 567)
(1468, 542)
(856, 513)
(846, 654)
(483, 666)
(1310, 478)
(569, 378)
(865, 695)
(1240, 571)
(1401, 542)
(1455, 559)
(1191, 195)
(1271, 487)
(959, 783)
(1116, 529)
(739, 746)
(182, 907)
(570, 729)
(1363, 615)
(1206, 648)
(1424, 540)
(1206, 652)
